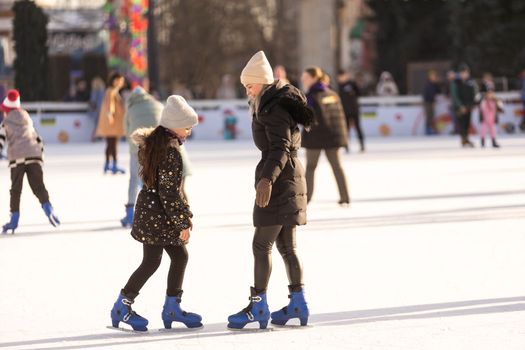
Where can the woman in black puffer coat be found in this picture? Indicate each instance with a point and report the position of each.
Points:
(280, 204)
(329, 132)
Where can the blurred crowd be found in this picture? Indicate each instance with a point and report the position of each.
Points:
(464, 92)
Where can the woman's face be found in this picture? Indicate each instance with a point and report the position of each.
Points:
(253, 90)
(118, 83)
(182, 133)
(307, 80)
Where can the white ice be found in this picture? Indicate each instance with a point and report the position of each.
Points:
(429, 256)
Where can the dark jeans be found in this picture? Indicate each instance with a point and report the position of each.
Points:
(429, 118)
(35, 177)
(355, 121)
(312, 158)
(263, 241)
(522, 124)
(151, 262)
(111, 149)
(464, 124)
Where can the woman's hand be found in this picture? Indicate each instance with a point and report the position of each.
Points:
(264, 192)
(111, 118)
(185, 235)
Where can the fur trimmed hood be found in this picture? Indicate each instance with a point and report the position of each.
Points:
(138, 137)
(291, 99)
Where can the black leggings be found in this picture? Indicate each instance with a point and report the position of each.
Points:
(150, 264)
(111, 149)
(262, 251)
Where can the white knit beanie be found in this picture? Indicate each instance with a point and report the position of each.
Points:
(178, 114)
(257, 70)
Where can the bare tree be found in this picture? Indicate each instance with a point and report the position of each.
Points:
(200, 40)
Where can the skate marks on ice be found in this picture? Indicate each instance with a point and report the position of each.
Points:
(470, 214)
(158, 330)
(270, 328)
(63, 229)
(424, 311)
(437, 196)
(348, 220)
(335, 319)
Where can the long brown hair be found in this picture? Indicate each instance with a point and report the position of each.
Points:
(152, 153)
(315, 72)
(318, 74)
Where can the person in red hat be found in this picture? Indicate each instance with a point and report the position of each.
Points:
(24, 153)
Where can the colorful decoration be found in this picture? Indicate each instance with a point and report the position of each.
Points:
(63, 136)
(230, 125)
(443, 121)
(127, 24)
(384, 130)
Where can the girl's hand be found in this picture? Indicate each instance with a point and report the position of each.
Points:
(185, 235)
(111, 118)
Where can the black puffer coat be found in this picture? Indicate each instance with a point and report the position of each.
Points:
(329, 129)
(276, 133)
(161, 212)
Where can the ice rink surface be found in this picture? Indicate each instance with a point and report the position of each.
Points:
(429, 256)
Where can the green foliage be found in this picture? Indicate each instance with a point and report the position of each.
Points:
(488, 35)
(31, 62)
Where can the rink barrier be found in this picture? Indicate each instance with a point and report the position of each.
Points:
(63, 122)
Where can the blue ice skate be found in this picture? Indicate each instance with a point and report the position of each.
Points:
(256, 311)
(116, 170)
(297, 308)
(127, 221)
(122, 312)
(48, 209)
(172, 312)
(12, 224)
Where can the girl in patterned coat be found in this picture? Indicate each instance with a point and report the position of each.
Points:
(162, 219)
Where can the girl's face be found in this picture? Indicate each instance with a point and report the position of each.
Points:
(253, 90)
(182, 133)
(491, 95)
(307, 80)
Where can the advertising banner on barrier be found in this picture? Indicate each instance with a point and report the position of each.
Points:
(230, 119)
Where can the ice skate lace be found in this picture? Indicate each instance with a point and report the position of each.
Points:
(248, 309)
(130, 313)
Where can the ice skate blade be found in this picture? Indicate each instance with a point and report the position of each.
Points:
(291, 326)
(126, 330)
(179, 330)
(250, 330)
